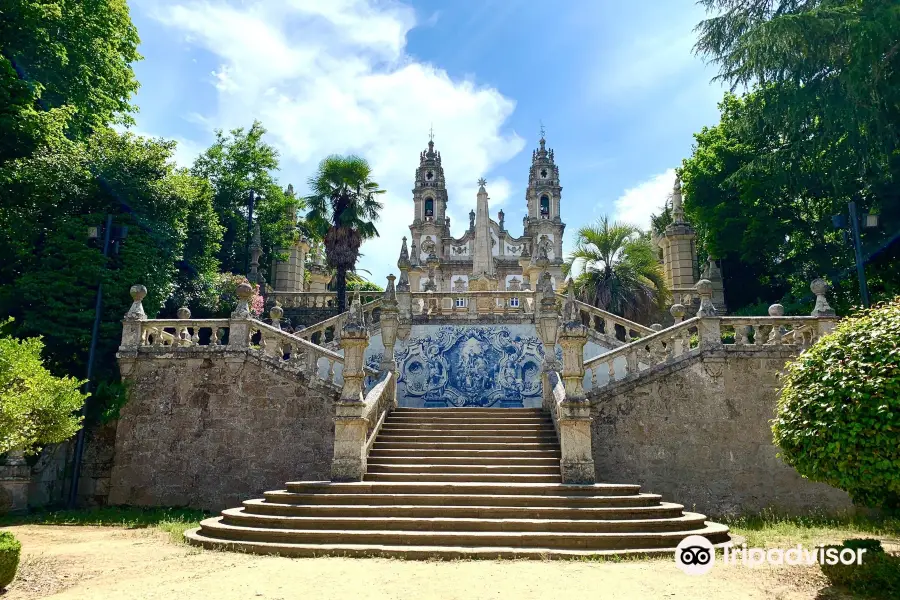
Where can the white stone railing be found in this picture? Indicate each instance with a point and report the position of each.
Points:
(474, 304)
(181, 333)
(606, 323)
(304, 299)
(659, 347)
(378, 404)
(328, 332)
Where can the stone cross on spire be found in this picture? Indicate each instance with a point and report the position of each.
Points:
(482, 182)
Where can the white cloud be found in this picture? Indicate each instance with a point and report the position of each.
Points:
(636, 204)
(332, 76)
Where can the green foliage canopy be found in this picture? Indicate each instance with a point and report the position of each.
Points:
(36, 408)
(838, 417)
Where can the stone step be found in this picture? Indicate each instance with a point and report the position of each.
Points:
(536, 432)
(380, 467)
(215, 528)
(437, 499)
(466, 412)
(473, 421)
(469, 444)
(453, 438)
(240, 517)
(463, 488)
(443, 452)
(435, 461)
(512, 478)
(659, 510)
(196, 538)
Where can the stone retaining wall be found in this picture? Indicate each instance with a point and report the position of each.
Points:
(697, 431)
(209, 429)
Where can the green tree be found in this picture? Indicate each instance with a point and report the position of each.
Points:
(838, 417)
(234, 165)
(617, 270)
(36, 408)
(343, 209)
(64, 66)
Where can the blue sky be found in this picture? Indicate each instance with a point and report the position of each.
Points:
(615, 84)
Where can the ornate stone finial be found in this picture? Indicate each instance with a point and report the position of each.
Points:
(571, 311)
(276, 313)
(656, 327)
(776, 310)
(183, 313)
(136, 312)
(545, 284)
(242, 311)
(704, 288)
(481, 183)
(404, 255)
(355, 325)
(678, 311)
(819, 287)
(390, 292)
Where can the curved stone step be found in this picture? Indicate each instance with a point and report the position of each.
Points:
(658, 510)
(216, 528)
(462, 499)
(464, 488)
(240, 517)
(513, 478)
(194, 537)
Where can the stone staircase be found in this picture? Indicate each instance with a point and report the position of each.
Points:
(457, 483)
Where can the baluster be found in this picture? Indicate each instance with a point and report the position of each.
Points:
(594, 376)
(611, 371)
(214, 336)
(330, 370)
(157, 336)
(740, 335)
(144, 333)
(609, 328)
(312, 363)
(195, 336)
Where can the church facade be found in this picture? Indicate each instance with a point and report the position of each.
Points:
(487, 256)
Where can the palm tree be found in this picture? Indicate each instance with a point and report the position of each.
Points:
(343, 207)
(617, 270)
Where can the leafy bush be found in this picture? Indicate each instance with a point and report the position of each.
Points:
(9, 558)
(36, 408)
(878, 576)
(838, 418)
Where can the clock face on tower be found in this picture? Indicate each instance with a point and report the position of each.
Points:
(543, 173)
(429, 176)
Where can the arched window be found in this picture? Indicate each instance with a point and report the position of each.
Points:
(545, 206)
(429, 208)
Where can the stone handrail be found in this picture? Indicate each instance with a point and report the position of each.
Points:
(379, 402)
(661, 346)
(304, 299)
(604, 322)
(499, 302)
(685, 296)
(329, 330)
(274, 343)
(757, 331)
(183, 332)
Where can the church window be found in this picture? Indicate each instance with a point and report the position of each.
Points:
(429, 208)
(545, 206)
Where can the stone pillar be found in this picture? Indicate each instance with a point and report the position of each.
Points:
(679, 246)
(131, 322)
(350, 426)
(15, 476)
(822, 309)
(574, 418)
(404, 299)
(547, 323)
(390, 323)
(710, 329)
(239, 325)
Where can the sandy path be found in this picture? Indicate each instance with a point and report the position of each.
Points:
(95, 562)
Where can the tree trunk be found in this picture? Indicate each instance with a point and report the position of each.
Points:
(340, 282)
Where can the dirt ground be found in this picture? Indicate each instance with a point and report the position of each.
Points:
(105, 562)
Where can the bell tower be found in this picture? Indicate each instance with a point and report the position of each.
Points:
(430, 193)
(544, 221)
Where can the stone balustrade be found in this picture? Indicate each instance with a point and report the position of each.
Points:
(328, 332)
(473, 304)
(304, 299)
(607, 324)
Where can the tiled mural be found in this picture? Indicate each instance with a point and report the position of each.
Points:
(475, 366)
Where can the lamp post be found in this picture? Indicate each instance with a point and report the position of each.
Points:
(870, 221)
(112, 236)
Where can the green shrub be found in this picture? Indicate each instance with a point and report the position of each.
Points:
(838, 418)
(9, 558)
(878, 576)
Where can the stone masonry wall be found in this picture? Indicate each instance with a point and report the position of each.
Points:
(697, 432)
(210, 429)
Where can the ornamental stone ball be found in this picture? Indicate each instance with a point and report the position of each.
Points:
(776, 310)
(138, 292)
(678, 311)
(818, 286)
(822, 309)
(656, 327)
(704, 287)
(276, 312)
(184, 313)
(244, 291)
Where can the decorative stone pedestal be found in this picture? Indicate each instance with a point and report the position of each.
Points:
(15, 476)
